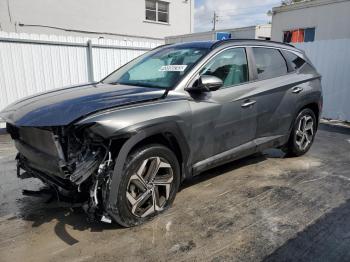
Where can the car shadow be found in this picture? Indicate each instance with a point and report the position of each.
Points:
(38, 212)
(335, 129)
(327, 239)
(233, 165)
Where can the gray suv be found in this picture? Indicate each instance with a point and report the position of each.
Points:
(122, 146)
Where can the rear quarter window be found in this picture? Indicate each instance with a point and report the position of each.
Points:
(269, 63)
(295, 61)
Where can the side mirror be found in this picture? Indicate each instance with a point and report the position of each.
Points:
(206, 83)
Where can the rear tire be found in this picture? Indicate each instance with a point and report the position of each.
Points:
(150, 181)
(302, 135)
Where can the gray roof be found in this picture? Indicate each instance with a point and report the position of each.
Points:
(235, 42)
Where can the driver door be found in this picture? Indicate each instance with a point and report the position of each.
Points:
(225, 120)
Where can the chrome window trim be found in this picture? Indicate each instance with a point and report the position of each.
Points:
(194, 73)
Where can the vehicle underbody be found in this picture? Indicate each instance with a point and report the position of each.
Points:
(74, 163)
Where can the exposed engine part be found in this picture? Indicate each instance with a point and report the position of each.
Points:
(74, 163)
(106, 219)
(52, 181)
(85, 168)
(93, 193)
(94, 207)
(40, 193)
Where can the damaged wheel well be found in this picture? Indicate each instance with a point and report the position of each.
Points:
(167, 139)
(314, 108)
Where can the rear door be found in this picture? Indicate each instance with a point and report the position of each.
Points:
(274, 104)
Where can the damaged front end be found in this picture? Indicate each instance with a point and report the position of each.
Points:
(73, 161)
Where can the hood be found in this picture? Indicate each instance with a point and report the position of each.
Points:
(62, 106)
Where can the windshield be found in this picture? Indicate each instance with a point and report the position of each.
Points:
(160, 68)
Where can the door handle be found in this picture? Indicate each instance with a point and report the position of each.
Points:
(297, 90)
(248, 103)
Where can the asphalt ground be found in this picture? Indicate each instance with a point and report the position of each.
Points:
(262, 208)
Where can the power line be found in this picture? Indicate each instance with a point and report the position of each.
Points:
(220, 15)
(240, 14)
(251, 7)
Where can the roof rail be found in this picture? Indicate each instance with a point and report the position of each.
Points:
(221, 42)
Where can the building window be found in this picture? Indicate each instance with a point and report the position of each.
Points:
(299, 35)
(157, 11)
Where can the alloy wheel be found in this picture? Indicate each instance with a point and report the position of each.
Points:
(304, 132)
(149, 187)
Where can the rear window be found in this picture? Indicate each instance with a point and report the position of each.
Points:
(295, 61)
(269, 63)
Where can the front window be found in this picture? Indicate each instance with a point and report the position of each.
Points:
(160, 68)
(157, 11)
(230, 66)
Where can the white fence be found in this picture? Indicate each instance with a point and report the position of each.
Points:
(332, 60)
(34, 63)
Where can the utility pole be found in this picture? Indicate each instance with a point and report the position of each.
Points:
(215, 19)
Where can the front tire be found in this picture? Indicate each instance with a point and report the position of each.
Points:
(303, 134)
(150, 181)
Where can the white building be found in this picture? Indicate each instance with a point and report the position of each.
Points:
(321, 29)
(103, 18)
(311, 21)
(250, 32)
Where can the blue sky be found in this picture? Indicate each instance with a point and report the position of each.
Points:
(232, 13)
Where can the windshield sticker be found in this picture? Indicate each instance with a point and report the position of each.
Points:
(173, 68)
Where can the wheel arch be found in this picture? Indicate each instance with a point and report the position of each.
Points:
(315, 108)
(167, 139)
(168, 134)
(314, 105)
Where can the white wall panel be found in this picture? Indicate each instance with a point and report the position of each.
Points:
(332, 60)
(29, 68)
(26, 69)
(107, 60)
